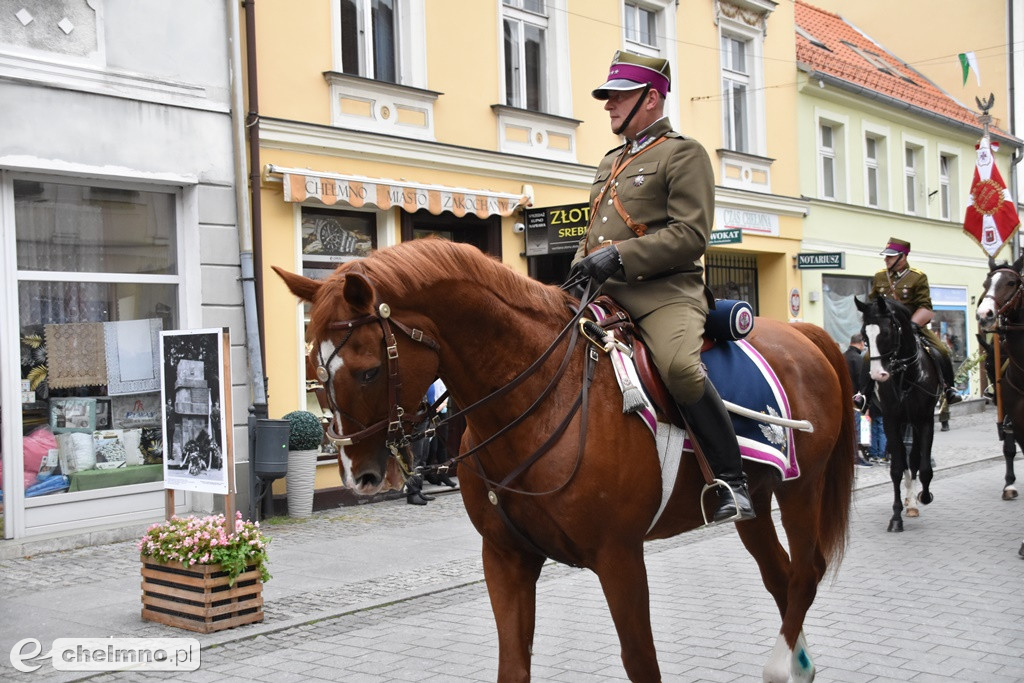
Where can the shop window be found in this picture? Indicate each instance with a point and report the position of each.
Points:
(330, 237)
(842, 319)
(98, 277)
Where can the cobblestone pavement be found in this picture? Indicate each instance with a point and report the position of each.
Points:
(393, 593)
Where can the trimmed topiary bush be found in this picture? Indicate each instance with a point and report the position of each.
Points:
(307, 432)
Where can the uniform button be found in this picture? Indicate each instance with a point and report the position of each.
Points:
(600, 239)
(640, 170)
(639, 277)
(604, 219)
(611, 201)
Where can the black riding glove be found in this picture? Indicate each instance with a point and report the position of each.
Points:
(598, 266)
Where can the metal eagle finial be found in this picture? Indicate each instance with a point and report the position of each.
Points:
(985, 105)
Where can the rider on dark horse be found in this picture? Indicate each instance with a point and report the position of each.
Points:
(909, 286)
(652, 210)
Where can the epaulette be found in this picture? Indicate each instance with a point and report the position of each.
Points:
(613, 150)
(915, 270)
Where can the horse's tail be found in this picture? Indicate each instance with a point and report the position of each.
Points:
(834, 515)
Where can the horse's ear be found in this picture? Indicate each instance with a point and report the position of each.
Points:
(359, 292)
(991, 263)
(1018, 264)
(303, 287)
(861, 306)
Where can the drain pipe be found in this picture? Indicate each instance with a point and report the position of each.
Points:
(247, 220)
(1018, 154)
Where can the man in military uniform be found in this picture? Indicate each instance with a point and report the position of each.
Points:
(652, 208)
(910, 287)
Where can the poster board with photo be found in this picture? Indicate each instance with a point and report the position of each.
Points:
(195, 381)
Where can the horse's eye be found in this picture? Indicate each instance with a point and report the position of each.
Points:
(367, 376)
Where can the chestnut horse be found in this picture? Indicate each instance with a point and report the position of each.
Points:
(1002, 311)
(543, 480)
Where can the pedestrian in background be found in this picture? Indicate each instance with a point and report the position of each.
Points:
(873, 409)
(854, 355)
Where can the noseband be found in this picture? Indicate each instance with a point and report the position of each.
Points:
(396, 420)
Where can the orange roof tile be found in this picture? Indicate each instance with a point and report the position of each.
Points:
(847, 59)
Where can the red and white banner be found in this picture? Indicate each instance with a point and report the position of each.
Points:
(991, 217)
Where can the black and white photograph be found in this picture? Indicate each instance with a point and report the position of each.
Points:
(192, 394)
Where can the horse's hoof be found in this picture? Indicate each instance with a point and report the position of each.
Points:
(913, 512)
(1009, 493)
(1021, 551)
(895, 525)
(925, 497)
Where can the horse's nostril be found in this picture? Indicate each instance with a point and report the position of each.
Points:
(368, 479)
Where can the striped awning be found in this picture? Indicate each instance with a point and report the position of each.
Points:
(301, 185)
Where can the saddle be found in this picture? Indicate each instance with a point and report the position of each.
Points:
(729, 320)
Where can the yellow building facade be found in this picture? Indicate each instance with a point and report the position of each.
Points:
(381, 122)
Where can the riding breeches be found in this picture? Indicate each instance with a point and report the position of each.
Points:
(674, 334)
(945, 362)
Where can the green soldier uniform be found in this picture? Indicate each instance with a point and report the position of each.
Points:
(911, 289)
(652, 208)
(667, 185)
(909, 286)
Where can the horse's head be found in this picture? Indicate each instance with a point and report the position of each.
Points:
(375, 364)
(885, 329)
(1002, 293)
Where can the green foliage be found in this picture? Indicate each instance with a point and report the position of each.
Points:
(208, 540)
(307, 432)
(965, 369)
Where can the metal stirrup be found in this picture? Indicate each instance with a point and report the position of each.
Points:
(715, 484)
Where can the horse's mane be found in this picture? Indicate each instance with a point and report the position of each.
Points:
(406, 268)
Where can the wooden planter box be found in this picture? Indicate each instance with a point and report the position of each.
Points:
(198, 598)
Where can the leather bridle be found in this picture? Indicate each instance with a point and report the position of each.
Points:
(896, 365)
(1013, 303)
(395, 422)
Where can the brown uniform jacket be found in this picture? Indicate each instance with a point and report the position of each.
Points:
(670, 188)
(910, 289)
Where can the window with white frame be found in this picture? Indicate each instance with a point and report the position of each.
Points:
(524, 27)
(736, 84)
(947, 186)
(911, 162)
(370, 39)
(827, 154)
(640, 25)
(876, 171)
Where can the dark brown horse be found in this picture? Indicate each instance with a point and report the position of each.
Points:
(1002, 311)
(548, 481)
(908, 388)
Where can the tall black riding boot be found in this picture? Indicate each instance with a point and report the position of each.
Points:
(946, 365)
(709, 419)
